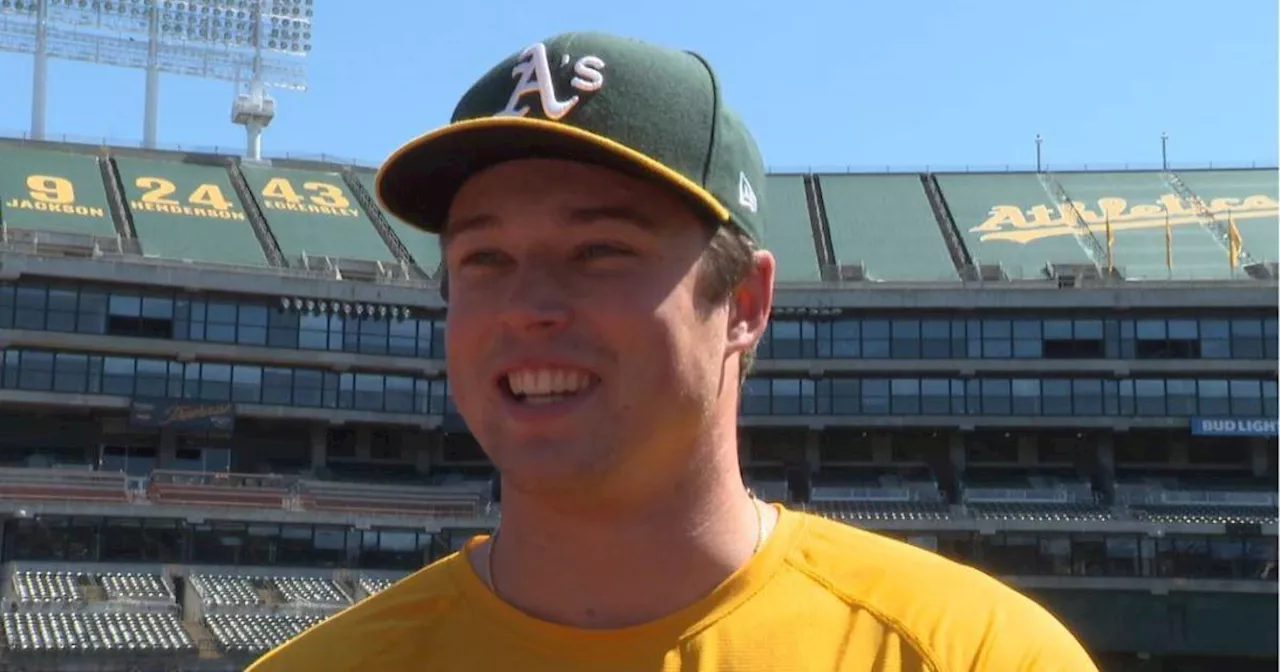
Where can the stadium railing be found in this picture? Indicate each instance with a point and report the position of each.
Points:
(832, 493)
(270, 491)
(390, 499)
(1138, 496)
(19, 483)
(1018, 495)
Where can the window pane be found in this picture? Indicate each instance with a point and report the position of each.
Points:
(277, 386)
(1180, 395)
(875, 397)
(996, 397)
(215, 382)
(1149, 397)
(399, 394)
(1026, 397)
(246, 383)
(906, 396)
(1246, 397)
(71, 373)
(30, 311)
(1086, 397)
(37, 371)
(1214, 399)
(117, 375)
(62, 310)
(1056, 397)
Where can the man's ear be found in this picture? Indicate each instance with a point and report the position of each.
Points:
(751, 304)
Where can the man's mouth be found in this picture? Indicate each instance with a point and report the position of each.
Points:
(537, 386)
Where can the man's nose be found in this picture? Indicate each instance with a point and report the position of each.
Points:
(538, 298)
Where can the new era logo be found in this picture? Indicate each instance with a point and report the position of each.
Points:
(746, 195)
(534, 75)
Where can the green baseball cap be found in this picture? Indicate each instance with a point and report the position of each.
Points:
(649, 111)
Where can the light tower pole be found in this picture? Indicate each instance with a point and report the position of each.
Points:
(256, 109)
(39, 70)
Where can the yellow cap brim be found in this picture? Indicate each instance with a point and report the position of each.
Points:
(417, 183)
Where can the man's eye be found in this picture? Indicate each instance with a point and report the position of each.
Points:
(481, 258)
(601, 250)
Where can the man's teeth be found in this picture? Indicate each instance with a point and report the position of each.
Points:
(543, 386)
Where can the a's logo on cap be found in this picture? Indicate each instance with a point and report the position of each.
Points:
(534, 73)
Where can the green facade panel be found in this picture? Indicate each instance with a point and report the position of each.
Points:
(47, 190)
(1249, 198)
(423, 247)
(313, 213)
(886, 223)
(187, 211)
(788, 234)
(1010, 219)
(1138, 206)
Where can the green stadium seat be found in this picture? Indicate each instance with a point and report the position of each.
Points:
(187, 211)
(1136, 204)
(423, 246)
(314, 214)
(1010, 219)
(788, 232)
(886, 223)
(47, 190)
(1250, 196)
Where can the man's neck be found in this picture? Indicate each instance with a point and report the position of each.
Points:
(627, 569)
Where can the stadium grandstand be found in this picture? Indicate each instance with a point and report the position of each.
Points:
(224, 416)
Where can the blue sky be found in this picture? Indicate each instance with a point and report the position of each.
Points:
(822, 83)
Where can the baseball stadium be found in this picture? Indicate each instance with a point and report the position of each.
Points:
(224, 414)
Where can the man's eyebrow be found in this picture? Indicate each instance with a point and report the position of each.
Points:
(616, 213)
(472, 223)
(577, 216)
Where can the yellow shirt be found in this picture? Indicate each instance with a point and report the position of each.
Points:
(819, 596)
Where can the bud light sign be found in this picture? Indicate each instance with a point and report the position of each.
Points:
(1233, 427)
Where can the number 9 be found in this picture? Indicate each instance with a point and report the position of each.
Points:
(49, 189)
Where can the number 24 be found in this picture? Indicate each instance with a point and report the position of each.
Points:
(159, 189)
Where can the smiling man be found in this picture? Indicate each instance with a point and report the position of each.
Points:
(600, 212)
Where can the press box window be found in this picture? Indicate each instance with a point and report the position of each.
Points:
(145, 317)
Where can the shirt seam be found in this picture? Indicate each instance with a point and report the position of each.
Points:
(898, 626)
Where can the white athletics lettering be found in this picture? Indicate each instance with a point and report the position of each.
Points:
(534, 75)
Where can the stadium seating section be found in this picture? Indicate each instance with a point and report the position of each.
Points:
(825, 227)
(1132, 203)
(873, 218)
(140, 614)
(1009, 220)
(1249, 198)
(314, 214)
(54, 191)
(422, 246)
(788, 229)
(187, 211)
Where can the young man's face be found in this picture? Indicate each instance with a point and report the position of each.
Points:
(579, 349)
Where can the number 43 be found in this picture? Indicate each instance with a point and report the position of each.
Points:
(321, 193)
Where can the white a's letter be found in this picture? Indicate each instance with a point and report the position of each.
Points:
(533, 73)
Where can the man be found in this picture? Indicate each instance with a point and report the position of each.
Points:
(600, 211)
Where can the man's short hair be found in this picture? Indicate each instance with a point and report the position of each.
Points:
(726, 263)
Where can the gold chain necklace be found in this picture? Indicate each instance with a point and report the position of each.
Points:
(488, 555)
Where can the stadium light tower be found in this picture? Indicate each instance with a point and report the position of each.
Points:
(264, 42)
